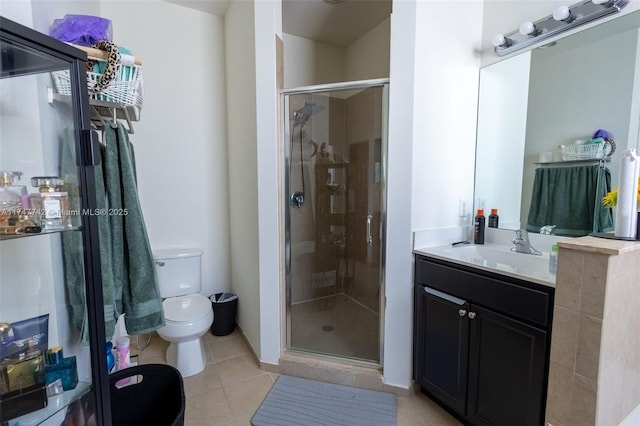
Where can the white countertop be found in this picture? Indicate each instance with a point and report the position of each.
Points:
(496, 258)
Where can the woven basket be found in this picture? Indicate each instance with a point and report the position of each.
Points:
(126, 89)
(587, 151)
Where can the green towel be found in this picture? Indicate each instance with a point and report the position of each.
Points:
(73, 249)
(571, 199)
(132, 259)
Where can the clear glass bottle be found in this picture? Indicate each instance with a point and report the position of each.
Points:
(51, 203)
(9, 200)
(553, 259)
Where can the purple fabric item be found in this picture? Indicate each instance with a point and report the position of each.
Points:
(601, 133)
(83, 30)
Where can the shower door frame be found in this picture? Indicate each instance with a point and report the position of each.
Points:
(286, 132)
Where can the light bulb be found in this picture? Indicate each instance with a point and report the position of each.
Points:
(562, 13)
(527, 28)
(498, 40)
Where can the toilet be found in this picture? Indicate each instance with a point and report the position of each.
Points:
(188, 315)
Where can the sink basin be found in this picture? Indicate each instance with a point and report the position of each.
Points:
(497, 258)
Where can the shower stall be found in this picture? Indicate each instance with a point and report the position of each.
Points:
(335, 152)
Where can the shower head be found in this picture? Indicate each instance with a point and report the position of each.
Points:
(302, 115)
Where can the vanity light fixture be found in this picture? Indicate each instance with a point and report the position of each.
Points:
(563, 18)
(528, 28)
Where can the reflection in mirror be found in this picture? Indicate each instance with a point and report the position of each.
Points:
(533, 103)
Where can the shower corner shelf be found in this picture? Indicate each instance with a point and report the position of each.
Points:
(331, 199)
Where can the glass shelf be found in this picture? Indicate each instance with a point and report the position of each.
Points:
(44, 232)
(57, 405)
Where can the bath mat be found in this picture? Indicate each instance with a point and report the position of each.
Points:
(296, 401)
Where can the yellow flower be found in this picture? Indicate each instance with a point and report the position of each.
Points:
(611, 199)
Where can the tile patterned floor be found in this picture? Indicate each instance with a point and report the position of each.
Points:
(232, 386)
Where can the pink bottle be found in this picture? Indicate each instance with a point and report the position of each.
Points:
(124, 358)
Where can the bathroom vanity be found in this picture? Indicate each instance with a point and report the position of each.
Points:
(482, 334)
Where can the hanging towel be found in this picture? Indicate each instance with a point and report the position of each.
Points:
(571, 199)
(132, 259)
(73, 249)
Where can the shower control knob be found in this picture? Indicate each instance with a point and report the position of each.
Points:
(296, 199)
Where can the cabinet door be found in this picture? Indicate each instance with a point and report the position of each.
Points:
(442, 346)
(506, 370)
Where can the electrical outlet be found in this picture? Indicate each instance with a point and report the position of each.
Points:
(463, 209)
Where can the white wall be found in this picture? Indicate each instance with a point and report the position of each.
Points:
(243, 163)
(445, 107)
(431, 147)
(397, 356)
(368, 56)
(180, 141)
(308, 62)
(268, 18)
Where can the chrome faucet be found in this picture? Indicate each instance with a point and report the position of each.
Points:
(547, 229)
(522, 244)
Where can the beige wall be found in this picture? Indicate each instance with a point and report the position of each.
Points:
(242, 160)
(308, 62)
(594, 373)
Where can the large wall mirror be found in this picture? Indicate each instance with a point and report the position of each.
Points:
(534, 102)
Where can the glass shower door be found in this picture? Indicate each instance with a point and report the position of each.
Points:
(334, 181)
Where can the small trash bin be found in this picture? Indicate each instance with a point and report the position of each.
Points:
(153, 395)
(225, 306)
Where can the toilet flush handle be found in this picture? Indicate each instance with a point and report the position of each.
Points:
(159, 263)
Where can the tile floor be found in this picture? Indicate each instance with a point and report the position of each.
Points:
(232, 386)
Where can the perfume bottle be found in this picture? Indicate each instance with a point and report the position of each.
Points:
(51, 203)
(9, 200)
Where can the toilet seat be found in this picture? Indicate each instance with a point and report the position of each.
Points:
(186, 308)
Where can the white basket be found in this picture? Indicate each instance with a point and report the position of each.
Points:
(586, 151)
(126, 89)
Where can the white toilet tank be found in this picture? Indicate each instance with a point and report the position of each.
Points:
(178, 271)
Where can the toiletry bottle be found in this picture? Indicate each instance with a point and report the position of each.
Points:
(478, 228)
(553, 259)
(493, 218)
(51, 202)
(111, 362)
(123, 358)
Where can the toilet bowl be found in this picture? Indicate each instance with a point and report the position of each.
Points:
(188, 314)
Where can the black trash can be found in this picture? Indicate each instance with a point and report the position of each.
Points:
(157, 398)
(225, 306)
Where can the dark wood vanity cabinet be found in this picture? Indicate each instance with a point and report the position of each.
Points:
(481, 343)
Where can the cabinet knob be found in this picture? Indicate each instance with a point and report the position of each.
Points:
(462, 312)
(472, 315)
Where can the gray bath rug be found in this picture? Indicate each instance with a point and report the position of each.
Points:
(295, 401)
